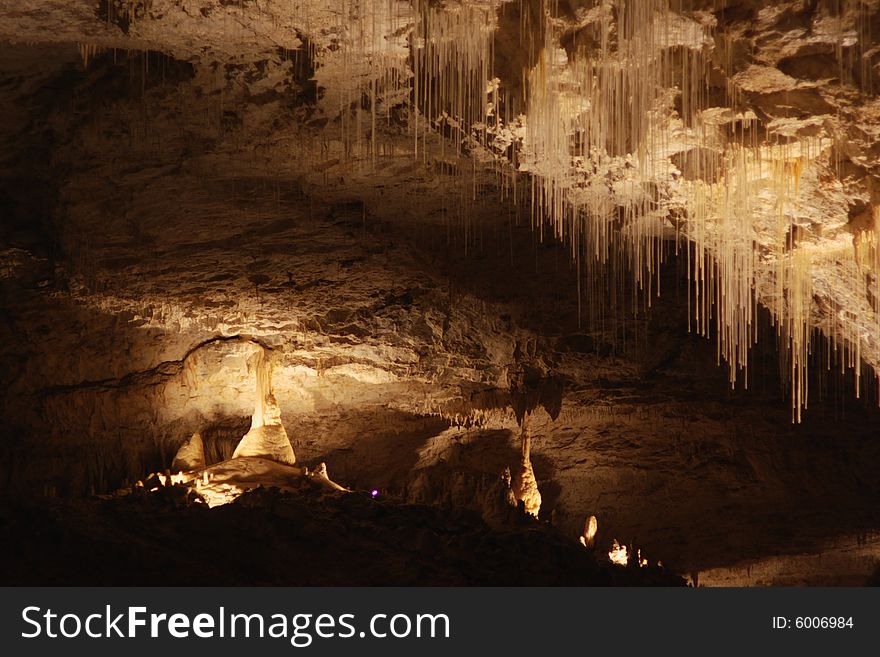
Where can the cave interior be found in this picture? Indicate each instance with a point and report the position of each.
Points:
(455, 292)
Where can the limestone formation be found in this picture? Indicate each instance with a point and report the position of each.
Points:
(191, 455)
(499, 503)
(320, 473)
(525, 486)
(268, 440)
(267, 437)
(588, 538)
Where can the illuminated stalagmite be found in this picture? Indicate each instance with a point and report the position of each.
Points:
(266, 437)
(525, 486)
(588, 537)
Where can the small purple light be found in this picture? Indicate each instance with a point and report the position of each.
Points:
(374, 492)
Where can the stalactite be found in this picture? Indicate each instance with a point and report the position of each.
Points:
(601, 124)
(598, 135)
(366, 69)
(88, 51)
(263, 388)
(452, 58)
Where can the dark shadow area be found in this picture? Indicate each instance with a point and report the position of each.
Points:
(271, 538)
(381, 451)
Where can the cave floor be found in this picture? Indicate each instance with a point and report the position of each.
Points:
(268, 537)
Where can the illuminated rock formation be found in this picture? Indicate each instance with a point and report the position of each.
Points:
(267, 437)
(525, 486)
(588, 537)
(319, 473)
(191, 455)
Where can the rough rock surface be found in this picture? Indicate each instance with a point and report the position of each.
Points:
(191, 455)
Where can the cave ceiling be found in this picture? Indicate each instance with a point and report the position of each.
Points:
(748, 131)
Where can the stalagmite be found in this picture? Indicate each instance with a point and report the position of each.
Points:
(500, 503)
(266, 437)
(618, 554)
(588, 538)
(191, 455)
(525, 486)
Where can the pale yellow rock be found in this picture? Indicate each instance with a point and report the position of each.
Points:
(525, 486)
(591, 526)
(320, 473)
(191, 455)
(267, 437)
(269, 440)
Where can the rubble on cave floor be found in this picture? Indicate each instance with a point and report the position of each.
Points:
(221, 483)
